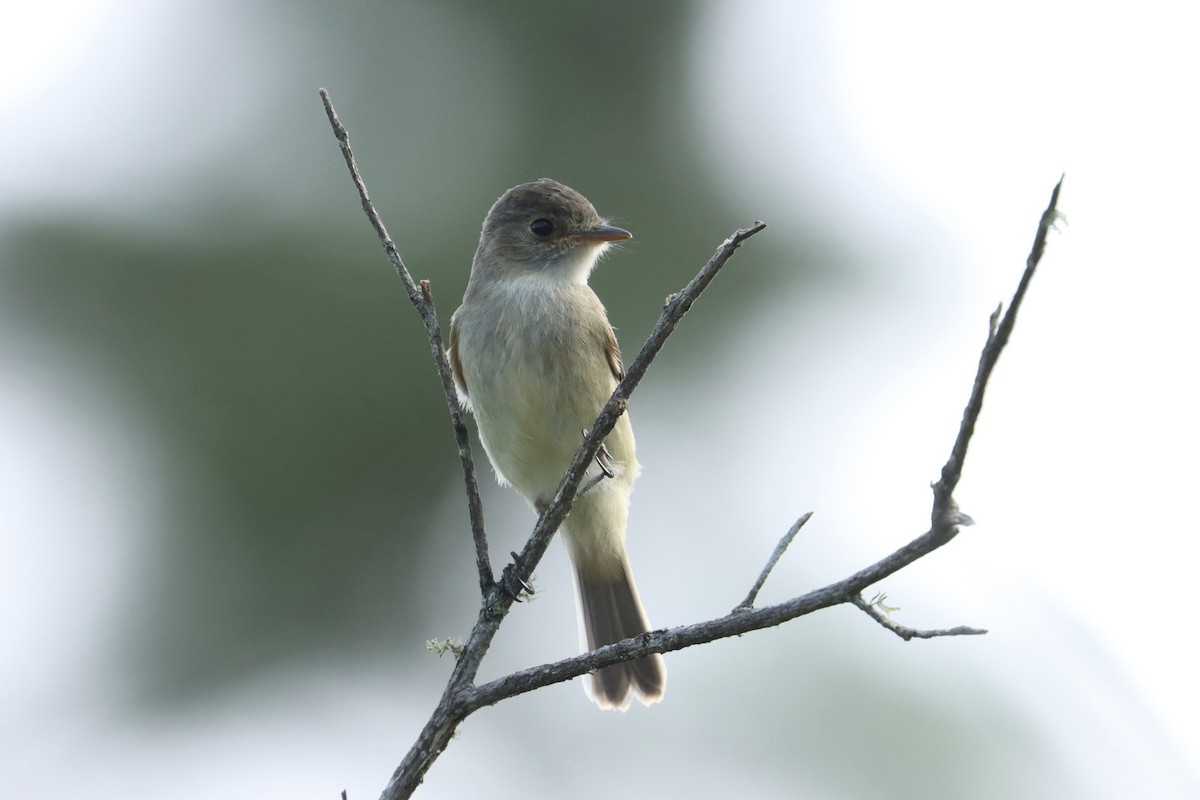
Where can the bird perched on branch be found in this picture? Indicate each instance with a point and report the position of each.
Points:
(535, 359)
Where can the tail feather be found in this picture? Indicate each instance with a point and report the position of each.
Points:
(612, 611)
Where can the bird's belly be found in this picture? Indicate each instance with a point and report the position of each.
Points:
(537, 378)
(532, 423)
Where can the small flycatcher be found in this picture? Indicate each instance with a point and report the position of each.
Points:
(535, 359)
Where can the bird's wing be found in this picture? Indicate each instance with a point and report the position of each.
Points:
(612, 351)
(460, 380)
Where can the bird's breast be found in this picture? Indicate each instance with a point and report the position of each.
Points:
(535, 364)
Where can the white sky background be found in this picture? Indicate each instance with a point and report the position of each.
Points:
(930, 136)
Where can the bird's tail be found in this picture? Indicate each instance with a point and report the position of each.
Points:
(612, 611)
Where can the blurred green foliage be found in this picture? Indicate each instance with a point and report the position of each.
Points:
(255, 328)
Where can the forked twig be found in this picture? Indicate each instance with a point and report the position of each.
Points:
(780, 548)
(908, 634)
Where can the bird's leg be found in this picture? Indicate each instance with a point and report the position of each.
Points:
(512, 583)
(604, 462)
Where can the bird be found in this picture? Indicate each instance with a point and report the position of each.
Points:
(534, 359)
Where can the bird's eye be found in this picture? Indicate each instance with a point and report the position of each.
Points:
(541, 227)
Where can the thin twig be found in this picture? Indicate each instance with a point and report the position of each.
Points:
(908, 634)
(422, 300)
(780, 548)
(944, 509)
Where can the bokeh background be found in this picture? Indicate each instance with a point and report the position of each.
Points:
(230, 512)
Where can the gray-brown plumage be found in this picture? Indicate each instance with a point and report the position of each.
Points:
(535, 359)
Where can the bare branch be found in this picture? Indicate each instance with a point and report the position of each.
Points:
(998, 334)
(908, 634)
(783, 545)
(738, 622)
(461, 697)
(422, 300)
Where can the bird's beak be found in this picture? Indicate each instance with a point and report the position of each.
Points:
(602, 233)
